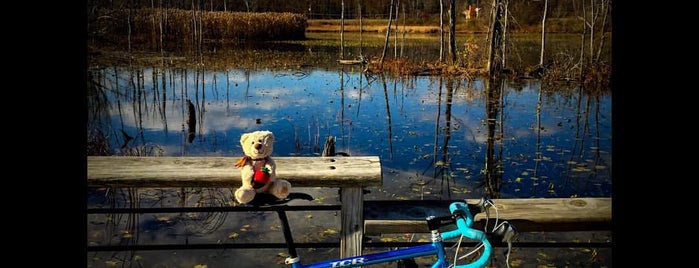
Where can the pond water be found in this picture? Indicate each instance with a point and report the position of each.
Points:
(516, 140)
(437, 138)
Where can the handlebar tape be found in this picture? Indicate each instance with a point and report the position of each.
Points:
(464, 228)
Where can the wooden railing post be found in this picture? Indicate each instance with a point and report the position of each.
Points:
(352, 221)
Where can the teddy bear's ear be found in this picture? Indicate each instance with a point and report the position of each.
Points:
(244, 138)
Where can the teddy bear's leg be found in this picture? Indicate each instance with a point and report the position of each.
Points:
(281, 188)
(244, 194)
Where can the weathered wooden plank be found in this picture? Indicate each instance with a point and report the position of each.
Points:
(352, 220)
(122, 171)
(526, 214)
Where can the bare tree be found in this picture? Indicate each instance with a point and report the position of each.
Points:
(388, 33)
(342, 31)
(452, 31)
(495, 50)
(441, 30)
(361, 29)
(543, 33)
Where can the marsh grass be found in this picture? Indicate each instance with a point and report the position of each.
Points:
(175, 26)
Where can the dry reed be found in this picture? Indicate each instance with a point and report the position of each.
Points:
(179, 25)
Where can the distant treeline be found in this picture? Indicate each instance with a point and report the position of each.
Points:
(525, 12)
(153, 25)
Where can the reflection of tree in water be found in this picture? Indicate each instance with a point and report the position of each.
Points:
(104, 85)
(388, 117)
(578, 163)
(492, 171)
(441, 165)
(140, 95)
(124, 229)
(97, 142)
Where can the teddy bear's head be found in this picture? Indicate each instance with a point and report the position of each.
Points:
(258, 144)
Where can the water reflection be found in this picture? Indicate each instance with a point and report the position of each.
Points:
(492, 171)
(469, 137)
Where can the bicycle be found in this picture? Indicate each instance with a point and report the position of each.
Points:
(462, 214)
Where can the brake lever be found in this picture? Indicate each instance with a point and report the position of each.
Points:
(482, 206)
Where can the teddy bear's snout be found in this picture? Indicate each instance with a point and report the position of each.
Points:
(258, 146)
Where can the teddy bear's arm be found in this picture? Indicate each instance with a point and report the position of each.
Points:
(272, 166)
(246, 173)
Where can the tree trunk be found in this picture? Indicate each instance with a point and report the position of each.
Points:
(361, 29)
(605, 13)
(441, 30)
(452, 32)
(388, 33)
(495, 47)
(342, 31)
(543, 33)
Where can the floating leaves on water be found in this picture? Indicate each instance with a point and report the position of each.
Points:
(309, 216)
(283, 255)
(460, 190)
(275, 227)
(580, 169)
(126, 234)
(111, 262)
(233, 235)
(516, 262)
(600, 167)
(518, 180)
(165, 219)
(201, 266)
(330, 231)
(388, 239)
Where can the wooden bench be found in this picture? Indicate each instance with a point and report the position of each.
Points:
(526, 214)
(351, 174)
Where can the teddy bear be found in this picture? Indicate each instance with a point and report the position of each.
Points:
(258, 170)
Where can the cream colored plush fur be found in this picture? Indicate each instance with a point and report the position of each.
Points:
(258, 147)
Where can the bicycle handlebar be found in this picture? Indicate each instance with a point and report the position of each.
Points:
(464, 228)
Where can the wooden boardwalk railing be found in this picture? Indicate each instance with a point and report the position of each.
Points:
(351, 175)
(526, 214)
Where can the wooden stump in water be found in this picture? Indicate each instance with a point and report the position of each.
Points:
(329, 147)
(191, 121)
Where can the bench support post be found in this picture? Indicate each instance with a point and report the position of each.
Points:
(352, 221)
